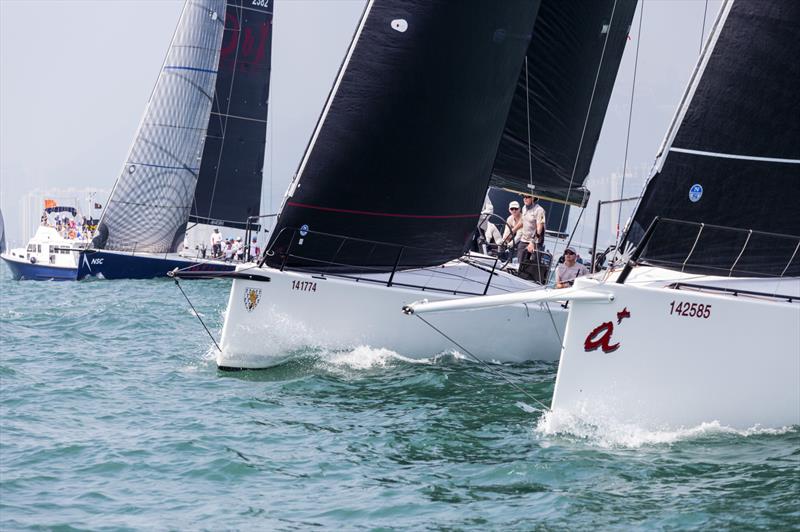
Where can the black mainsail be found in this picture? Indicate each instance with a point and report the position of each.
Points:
(405, 144)
(420, 119)
(732, 155)
(229, 184)
(561, 98)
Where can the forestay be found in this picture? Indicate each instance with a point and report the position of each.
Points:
(732, 155)
(150, 203)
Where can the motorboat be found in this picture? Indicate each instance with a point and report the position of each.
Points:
(52, 252)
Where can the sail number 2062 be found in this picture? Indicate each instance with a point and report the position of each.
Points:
(305, 286)
(690, 310)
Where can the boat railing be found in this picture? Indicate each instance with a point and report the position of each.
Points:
(338, 266)
(718, 250)
(253, 225)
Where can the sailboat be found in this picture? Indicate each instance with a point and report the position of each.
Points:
(198, 154)
(430, 104)
(700, 320)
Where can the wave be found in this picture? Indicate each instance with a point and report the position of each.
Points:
(607, 432)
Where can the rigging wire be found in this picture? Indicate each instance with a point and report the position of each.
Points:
(586, 120)
(703, 30)
(630, 118)
(488, 367)
(197, 314)
(528, 113)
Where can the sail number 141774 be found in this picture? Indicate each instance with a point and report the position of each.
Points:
(305, 286)
(690, 310)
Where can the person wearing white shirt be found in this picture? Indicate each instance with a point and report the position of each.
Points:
(570, 270)
(216, 243)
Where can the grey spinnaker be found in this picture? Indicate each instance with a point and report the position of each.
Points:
(151, 200)
(732, 155)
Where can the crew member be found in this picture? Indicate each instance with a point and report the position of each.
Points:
(532, 224)
(255, 251)
(514, 218)
(567, 272)
(216, 243)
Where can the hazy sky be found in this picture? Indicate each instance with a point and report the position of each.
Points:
(75, 77)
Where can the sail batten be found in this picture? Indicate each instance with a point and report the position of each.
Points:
(735, 156)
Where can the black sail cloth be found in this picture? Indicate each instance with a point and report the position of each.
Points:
(562, 95)
(735, 157)
(229, 182)
(406, 143)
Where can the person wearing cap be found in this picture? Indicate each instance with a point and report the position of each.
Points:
(532, 224)
(514, 219)
(569, 270)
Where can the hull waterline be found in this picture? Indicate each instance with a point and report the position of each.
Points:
(118, 265)
(267, 321)
(24, 270)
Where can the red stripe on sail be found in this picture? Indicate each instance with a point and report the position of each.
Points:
(384, 214)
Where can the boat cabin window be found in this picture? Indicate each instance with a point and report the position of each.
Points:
(38, 248)
(31, 248)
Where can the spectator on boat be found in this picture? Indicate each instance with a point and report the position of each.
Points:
(44, 218)
(203, 249)
(255, 251)
(569, 270)
(514, 218)
(216, 243)
(238, 247)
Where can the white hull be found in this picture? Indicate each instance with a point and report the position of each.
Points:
(341, 313)
(738, 363)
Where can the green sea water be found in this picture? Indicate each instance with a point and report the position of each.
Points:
(114, 416)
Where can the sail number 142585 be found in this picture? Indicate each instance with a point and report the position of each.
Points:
(690, 310)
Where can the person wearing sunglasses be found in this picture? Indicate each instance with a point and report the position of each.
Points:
(514, 219)
(532, 224)
(569, 270)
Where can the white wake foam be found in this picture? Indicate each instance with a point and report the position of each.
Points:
(606, 432)
(364, 357)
